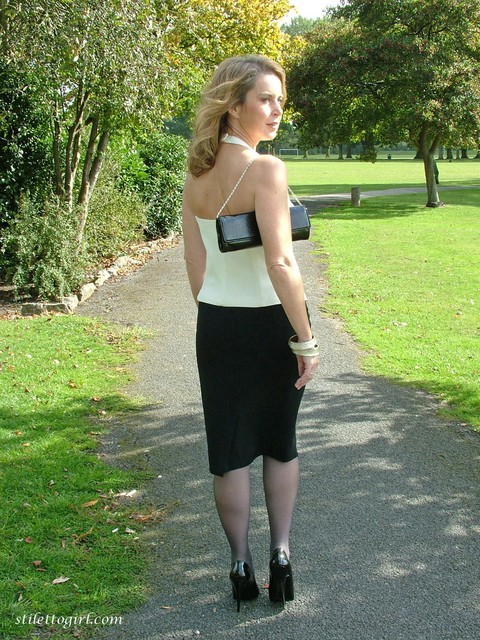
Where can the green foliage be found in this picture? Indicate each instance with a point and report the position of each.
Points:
(299, 26)
(105, 67)
(392, 70)
(39, 246)
(24, 151)
(117, 216)
(156, 169)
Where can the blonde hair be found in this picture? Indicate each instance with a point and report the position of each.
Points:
(230, 83)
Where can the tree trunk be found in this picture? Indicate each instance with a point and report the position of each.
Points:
(340, 151)
(91, 169)
(56, 153)
(433, 199)
(464, 154)
(349, 150)
(440, 153)
(449, 154)
(72, 151)
(431, 171)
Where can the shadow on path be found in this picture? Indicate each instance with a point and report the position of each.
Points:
(385, 539)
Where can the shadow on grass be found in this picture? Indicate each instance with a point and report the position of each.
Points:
(373, 210)
(469, 197)
(335, 188)
(59, 509)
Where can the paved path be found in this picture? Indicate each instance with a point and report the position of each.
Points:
(317, 202)
(385, 539)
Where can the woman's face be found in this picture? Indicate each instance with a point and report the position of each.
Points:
(259, 116)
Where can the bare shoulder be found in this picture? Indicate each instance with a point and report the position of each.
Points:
(188, 182)
(271, 169)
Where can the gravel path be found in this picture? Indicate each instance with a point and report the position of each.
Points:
(385, 543)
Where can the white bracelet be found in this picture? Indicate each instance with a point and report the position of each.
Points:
(307, 348)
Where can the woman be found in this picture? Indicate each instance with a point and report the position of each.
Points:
(250, 302)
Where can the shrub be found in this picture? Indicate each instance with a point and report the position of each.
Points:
(25, 150)
(156, 170)
(41, 244)
(117, 216)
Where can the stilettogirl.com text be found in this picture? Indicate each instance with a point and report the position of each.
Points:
(66, 622)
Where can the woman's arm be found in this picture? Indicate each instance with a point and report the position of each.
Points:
(194, 251)
(273, 217)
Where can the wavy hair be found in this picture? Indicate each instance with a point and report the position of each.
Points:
(230, 83)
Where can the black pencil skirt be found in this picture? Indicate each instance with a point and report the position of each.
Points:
(247, 375)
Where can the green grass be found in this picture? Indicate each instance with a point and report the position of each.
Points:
(315, 177)
(59, 381)
(406, 281)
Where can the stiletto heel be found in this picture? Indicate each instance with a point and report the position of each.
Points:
(244, 586)
(280, 588)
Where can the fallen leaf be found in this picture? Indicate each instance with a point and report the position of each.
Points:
(72, 384)
(95, 399)
(128, 530)
(28, 540)
(82, 536)
(51, 483)
(90, 503)
(25, 444)
(63, 544)
(37, 563)
(60, 580)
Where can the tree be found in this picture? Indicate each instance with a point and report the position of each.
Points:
(407, 70)
(103, 66)
(299, 26)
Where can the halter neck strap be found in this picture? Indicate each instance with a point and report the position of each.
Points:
(236, 140)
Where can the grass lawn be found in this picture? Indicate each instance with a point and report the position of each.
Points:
(406, 281)
(68, 546)
(315, 177)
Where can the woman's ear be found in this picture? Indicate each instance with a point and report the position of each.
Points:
(235, 111)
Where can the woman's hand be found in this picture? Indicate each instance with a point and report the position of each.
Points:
(307, 365)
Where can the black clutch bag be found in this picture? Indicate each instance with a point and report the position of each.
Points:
(241, 231)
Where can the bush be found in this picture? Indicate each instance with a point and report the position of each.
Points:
(156, 170)
(25, 150)
(116, 218)
(41, 243)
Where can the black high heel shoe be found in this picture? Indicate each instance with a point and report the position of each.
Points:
(244, 585)
(280, 588)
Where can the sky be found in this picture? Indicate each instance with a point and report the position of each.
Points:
(312, 8)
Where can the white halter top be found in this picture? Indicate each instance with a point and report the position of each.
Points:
(236, 279)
